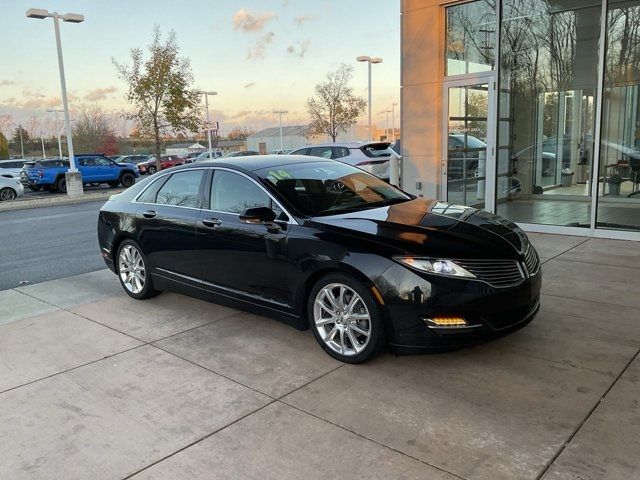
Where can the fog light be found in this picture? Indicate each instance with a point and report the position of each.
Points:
(446, 322)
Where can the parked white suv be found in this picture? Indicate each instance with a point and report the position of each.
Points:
(372, 157)
(11, 168)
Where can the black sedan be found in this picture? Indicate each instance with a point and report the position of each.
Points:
(321, 244)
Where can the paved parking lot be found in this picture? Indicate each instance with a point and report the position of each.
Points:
(96, 385)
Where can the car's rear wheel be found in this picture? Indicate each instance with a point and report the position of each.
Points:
(61, 185)
(7, 194)
(345, 318)
(127, 179)
(133, 272)
(152, 169)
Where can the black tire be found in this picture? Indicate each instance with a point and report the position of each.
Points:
(114, 183)
(61, 185)
(147, 290)
(376, 341)
(127, 179)
(152, 169)
(7, 194)
(35, 188)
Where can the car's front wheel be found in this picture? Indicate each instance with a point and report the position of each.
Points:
(7, 194)
(152, 169)
(345, 318)
(133, 272)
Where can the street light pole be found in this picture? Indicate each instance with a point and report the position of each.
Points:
(21, 142)
(72, 176)
(55, 112)
(393, 119)
(206, 103)
(369, 60)
(280, 113)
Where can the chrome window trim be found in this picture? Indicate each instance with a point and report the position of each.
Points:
(291, 221)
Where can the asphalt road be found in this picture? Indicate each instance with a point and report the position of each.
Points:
(47, 243)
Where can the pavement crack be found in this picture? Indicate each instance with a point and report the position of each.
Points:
(586, 418)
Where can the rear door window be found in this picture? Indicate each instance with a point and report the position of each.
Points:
(323, 152)
(181, 189)
(340, 152)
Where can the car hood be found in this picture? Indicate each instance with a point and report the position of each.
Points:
(432, 228)
(127, 165)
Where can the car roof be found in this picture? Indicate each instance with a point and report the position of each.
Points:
(256, 162)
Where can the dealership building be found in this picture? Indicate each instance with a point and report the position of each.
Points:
(526, 108)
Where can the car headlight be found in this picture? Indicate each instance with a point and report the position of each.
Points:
(436, 266)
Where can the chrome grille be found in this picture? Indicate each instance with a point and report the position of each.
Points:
(499, 273)
(531, 260)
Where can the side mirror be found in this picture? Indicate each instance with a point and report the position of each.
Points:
(258, 215)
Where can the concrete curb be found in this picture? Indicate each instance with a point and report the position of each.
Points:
(58, 200)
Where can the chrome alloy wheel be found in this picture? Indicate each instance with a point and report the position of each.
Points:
(131, 269)
(342, 319)
(7, 194)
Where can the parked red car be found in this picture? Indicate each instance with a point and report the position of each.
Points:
(166, 161)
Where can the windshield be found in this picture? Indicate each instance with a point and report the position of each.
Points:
(327, 188)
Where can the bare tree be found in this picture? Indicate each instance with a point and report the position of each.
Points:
(335, 108)
(6, 124)
(160, 89)
(92, 129)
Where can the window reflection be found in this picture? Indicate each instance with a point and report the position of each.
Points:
(471, 29)
(181, 189)
(619, 176)
(548, 84)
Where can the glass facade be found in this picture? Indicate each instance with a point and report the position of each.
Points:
(619, 176)
(550, 161)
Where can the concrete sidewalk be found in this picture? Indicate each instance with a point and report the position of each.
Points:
(96, 385)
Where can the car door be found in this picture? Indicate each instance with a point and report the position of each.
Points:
(244, 260)
(106, 169)
(166, 222)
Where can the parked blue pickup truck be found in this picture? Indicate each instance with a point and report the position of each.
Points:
(94, 168)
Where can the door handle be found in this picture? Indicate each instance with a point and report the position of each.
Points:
(211, 222)
(149, 214)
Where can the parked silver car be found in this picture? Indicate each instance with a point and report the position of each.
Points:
(11, 168)
(10, 189)
(372, 157)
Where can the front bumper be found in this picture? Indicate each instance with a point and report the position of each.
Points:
(490, 312)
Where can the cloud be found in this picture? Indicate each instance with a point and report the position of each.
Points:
(300, 50)
(4, 83)
(99, 93)
(249, 22)
(249, 85)
(31, 100)
(299, 20)
(259, 50)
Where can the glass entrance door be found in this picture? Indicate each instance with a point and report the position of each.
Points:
(468, 170)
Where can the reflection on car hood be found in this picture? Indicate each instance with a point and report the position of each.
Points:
(432, 228)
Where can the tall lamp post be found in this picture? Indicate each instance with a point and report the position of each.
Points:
(393, 119)
(56, 112)
(369, 60)
(206, 103)
(72, 177)
(280, 113)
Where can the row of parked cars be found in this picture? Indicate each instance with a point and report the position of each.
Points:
(97, 169)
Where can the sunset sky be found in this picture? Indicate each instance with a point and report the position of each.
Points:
(258, 55)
